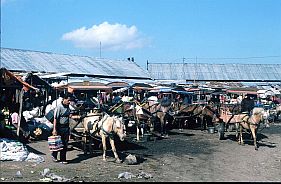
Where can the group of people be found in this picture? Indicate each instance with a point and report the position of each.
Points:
(59, 124)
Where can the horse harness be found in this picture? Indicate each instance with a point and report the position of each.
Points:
(98, 128)
(250, 122)
(109, 134)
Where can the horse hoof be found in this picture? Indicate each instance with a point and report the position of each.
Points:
(118, 161)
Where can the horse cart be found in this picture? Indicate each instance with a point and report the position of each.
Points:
(243, 121)
(227, 115)
(81, 136)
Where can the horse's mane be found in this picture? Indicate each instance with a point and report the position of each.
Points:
(258, 110)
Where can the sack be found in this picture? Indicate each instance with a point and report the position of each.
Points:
(55, 143)
(50, 116)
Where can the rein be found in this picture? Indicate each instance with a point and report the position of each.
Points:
(187, 107)
(115, 107)
(98, 128)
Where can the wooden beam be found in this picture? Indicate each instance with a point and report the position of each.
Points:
(20, 111)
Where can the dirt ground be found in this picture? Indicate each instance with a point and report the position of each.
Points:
(190, 155)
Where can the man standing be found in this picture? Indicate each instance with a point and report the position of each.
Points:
(61, 126)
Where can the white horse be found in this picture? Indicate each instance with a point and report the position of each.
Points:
(105, 126)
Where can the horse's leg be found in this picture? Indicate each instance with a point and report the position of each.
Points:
(141, 125)
(202, 122)
(254, 135)
(181, 124)
(239, 133)
(236, 130)
(142, 130)
(151, 126)
(103, 138)
(114, 150)
(137, 127)
(163, 124)
(138, 133)
(240, 140)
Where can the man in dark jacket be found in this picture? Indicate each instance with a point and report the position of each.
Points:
(247, 104)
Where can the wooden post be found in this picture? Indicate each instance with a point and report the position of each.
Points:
(20, 111)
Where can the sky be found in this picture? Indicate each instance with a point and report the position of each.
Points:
(157, 31)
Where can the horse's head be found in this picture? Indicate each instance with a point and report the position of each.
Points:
(119, 127)
(260, 115)
(265, 117)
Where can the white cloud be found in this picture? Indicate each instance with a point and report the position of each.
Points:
(111, 36)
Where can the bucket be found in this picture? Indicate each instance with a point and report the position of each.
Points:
(211, 130)
(55, 143)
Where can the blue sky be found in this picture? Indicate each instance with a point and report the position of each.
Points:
(213, 31)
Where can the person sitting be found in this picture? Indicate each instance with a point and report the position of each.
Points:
(116, 99)
(247, 104)
(186, 101)
(15, 120)
(166, 101)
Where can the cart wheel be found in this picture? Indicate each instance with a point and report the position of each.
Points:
(221, 135)
(84, 147)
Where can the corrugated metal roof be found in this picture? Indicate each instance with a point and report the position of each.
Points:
(215, 72)
(35, 61)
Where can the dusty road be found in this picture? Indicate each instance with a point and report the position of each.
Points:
(191, 155)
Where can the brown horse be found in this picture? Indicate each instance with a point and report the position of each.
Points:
(105, 126)
(134, 111)
(158, 111)
(206, 113)
(183, 113)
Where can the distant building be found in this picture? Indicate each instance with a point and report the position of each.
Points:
(215, 72)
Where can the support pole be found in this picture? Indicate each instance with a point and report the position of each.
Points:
(20, 111)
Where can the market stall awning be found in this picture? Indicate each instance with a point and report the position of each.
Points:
(8, 79)
(242, 92)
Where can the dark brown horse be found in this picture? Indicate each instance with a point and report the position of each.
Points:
(160, 112)
(134, 112)
(206, 113)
